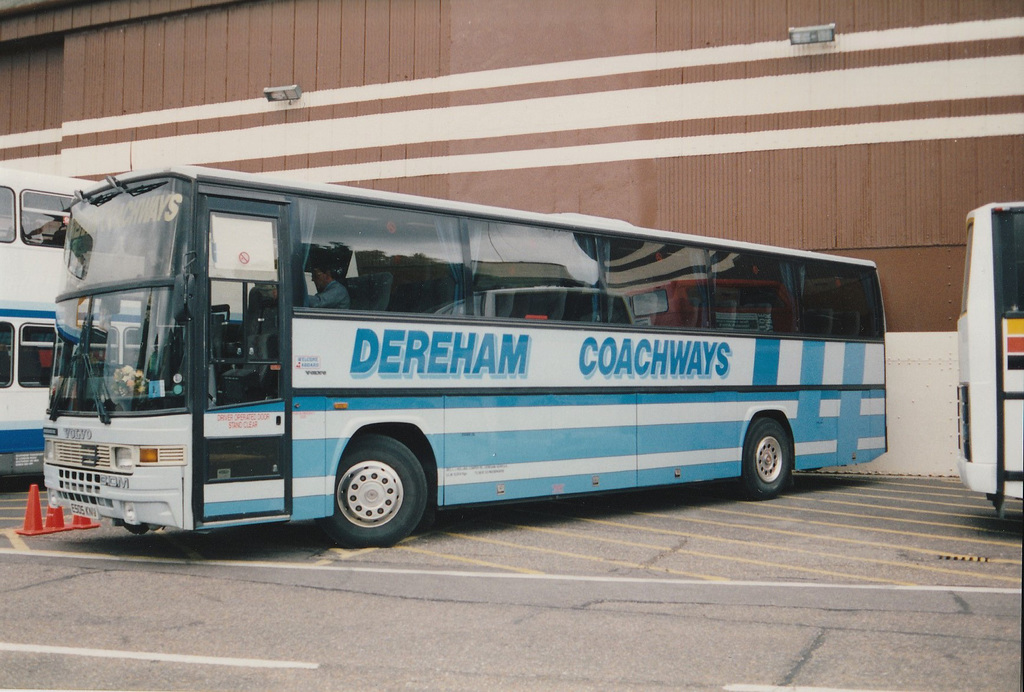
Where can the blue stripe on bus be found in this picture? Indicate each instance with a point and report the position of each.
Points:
(520, 446)
(471, 493)
(311, 507)
(319, 457)
(519, 400)
(21, 440)
(30, 314)
(853, 363)
(766, 362)
(688, 437)
(812, 363)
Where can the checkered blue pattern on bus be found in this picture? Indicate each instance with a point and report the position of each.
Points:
(518, 446)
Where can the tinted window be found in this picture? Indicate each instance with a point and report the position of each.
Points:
(6, 215)
(526, 272)
(666, 285)
(6, 353)
(385, 259)
(1009, 229)
(751, 293)
(44, 218)
(35, 356)
(839, 300)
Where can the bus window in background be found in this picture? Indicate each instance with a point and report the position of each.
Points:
(44, 218)
(35, 355)
(32, 228)
(6, 354)
(6, 215)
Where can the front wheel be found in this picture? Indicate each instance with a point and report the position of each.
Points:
(380, 494)
(767, 459)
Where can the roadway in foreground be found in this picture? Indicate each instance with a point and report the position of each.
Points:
(855, 582)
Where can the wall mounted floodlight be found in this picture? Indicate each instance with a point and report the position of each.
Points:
(825, 33)
(292, 92)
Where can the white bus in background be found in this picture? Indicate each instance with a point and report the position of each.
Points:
(33, 222)
(991, 342)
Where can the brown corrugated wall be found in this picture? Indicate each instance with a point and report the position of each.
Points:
(901, 203)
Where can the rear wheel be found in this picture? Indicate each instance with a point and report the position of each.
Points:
(767, 459)
(380, 494)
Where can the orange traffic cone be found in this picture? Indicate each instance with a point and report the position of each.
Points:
(55, 519)
(80, 522)
(34, 516)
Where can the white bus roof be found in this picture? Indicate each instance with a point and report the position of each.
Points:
(564, 219)
(29, 180)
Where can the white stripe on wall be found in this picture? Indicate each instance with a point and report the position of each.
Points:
(869, 86)
(680, 147)
(984, 30)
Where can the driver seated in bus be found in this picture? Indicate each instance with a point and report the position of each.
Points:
(329, 292)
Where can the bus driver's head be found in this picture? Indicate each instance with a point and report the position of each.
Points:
(321, 277)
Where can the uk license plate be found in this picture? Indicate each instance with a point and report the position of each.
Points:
(84, 510)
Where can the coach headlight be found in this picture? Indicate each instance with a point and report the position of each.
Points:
(125, 458)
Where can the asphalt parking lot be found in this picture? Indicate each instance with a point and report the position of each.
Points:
(849, 529)
(845, 582)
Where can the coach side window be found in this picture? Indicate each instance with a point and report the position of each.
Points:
(666, 285)
(531, 273)
(6, 353)
(751, 292)
(838, 301)
(6, 215)
(386, 259)
(35, 356)
(44, 218)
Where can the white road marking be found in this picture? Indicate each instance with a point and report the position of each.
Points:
(153, 656)
(650, 581)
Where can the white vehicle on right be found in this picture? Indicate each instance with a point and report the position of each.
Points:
(991, 344)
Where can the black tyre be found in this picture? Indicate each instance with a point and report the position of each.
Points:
(380, 494)
(767, 459)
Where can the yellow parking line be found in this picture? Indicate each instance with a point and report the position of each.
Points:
(17, 542)
(901, 500)
(748, 544)
(590, 558)
(853, 541)
(347, 554)
(955, 486)
(908, 510)
(781, 505)
(899, 532)
(467, 560)
(189, 552)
